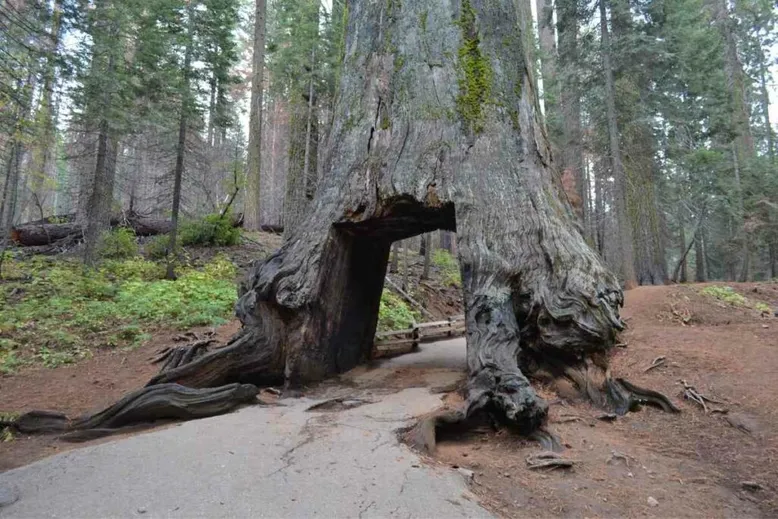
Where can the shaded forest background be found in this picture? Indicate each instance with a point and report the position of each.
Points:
(658, 112)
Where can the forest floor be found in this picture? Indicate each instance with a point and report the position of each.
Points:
(695, 464)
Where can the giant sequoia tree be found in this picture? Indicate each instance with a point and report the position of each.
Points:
(436, 127)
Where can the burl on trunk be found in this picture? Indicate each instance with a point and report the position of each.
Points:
(436, 127)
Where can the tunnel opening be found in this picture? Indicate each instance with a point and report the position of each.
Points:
(366, 249)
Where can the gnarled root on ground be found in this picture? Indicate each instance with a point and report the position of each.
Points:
(159, 402)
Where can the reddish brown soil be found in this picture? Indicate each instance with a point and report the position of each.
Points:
(87, 386)
(693, 464)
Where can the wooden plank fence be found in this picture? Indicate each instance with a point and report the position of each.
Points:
(398, 342)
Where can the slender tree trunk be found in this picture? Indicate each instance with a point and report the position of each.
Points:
(765, 101)
(682, 273)
(311, 147)
(700, 259)
(743, 150)
(570, 98)
(427, 255)
(599, 208)
(395, 265)
(212, 111)
(279, 218)
(101, 198)
(181, 145)
(98, 209)
(742, 239)
(10, 193)
(253, 211)
(44, 167)
(626, 247)
(548, 60)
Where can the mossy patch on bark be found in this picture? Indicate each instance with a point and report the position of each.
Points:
(475, 72)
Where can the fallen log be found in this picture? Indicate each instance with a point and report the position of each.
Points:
(44, 234)
(36, 233)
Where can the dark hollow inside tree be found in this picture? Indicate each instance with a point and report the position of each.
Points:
(436, 127)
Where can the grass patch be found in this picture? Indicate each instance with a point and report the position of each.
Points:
(58, 311)
(726, 294)
(448, 266)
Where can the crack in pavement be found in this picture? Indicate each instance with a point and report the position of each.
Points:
(364, 510)
(287, 456)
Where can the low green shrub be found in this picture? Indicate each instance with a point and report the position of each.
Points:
(62, 311)
(394, 313)
(726, 294)
(157, 247)
(448, 266)
(212, 231)
(118, 243)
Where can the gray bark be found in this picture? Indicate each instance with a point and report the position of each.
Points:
(414, 137)
(700, 266)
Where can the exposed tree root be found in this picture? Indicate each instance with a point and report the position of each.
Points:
(245, 359)
(625, 396)
(160, 402)
(593, 380)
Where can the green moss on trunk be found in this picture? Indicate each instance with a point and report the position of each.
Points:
(475, 72)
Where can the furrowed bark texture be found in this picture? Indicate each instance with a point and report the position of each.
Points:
(436, 127)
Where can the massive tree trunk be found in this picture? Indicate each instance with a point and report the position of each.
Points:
(436, 127)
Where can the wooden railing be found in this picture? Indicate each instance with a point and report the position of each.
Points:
(398, 342)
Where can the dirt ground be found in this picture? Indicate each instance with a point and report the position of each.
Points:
(693, 464)
(648, 463)
(78, 388)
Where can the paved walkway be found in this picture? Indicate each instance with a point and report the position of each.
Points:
(258, 462)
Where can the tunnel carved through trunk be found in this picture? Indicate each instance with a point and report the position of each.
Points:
(436, 126)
